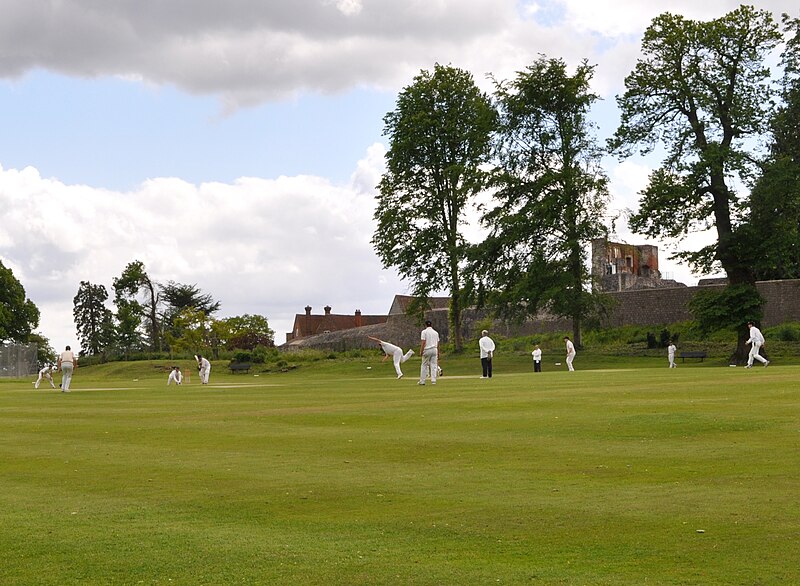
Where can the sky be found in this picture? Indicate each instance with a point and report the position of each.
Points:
(236, 145)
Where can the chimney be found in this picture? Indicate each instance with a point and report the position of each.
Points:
(358, 318)
(327, 310)
(308, 310)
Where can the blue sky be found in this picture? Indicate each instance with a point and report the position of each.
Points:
(236, 145)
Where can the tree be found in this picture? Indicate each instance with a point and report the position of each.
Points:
(245, 332)
(135, 281)
(18, 314)
(772, 229)
(45, 354)
(702, 91)
(551, 194)
(439, 136)
(93, 320)
(190, 332)
(129, 318)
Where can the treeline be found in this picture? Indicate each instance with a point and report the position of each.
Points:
(159, 319)
(527, 156)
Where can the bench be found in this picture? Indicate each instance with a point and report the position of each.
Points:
(701, 354)
(239, 367)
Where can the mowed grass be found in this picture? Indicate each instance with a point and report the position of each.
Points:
(335, 474)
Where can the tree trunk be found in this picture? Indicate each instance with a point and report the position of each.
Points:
(455, 321)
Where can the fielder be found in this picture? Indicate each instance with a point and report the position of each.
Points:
(46, 372)
(395, 352)
(570, 353)
(175, 376)
(757, 340)
(671, 355)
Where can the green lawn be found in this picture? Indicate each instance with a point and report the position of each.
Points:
(333, 473)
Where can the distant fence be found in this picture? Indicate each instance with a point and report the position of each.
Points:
(17, 360)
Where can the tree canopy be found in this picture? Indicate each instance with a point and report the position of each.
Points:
(439, 138)
(702, 91)
(93, 320)
(19, 316)
(550, 195)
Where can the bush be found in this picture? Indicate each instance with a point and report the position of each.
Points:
(240, 356)
(788, 332)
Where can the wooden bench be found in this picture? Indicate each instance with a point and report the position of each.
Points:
(239, 367)
(701, 354)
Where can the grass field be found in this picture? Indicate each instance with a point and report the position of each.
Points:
(336, 474)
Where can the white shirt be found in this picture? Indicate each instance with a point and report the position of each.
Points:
(430, 337)
(537, 355)
(390, 349)
(486, 345)
(46, 370)
(204, 364)
(671, 350)
(570, 347)
(756, 337)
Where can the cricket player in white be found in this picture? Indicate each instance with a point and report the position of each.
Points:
(671, 354)
(395, 352)
(45, 373)
(756, 340)
(429, 351)
(175, 376)
(67, 364)
(205, 369)
(486, 345)
(570, 353)
(537, 359)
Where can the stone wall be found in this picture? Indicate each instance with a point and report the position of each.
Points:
(645, 307)
(663, 306)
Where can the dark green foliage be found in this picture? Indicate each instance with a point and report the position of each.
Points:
(93, 320)
(702, 90)
(18, 314)
(45, 354)
(788, 332)
(248, 332)
(135, 281)
(731, 307)
(771, 236)
(550, 197)
(439, 136)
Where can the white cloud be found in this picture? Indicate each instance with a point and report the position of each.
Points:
(246, 243)
(255, 51)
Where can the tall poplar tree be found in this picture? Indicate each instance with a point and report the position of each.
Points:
(439, 137)
(550, 194)
(93, 320)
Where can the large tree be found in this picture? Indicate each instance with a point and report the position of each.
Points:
(703, 92)
(245, 332)
(550, 194)
(134, 282)
(93, 320)
(18, 314)
(772, 231)
(439, 138)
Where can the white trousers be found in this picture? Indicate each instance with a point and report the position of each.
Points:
(430, 364)
(672, 361)
(398, 357)
(48, 377)
(204, 373)
(570, 358)
(173, 378)
(754, 348)
(66, 376)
